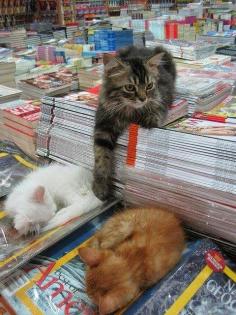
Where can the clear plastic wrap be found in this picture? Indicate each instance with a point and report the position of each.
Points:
(16, 251)
(14, 165)
(54, 283)
(202, 283)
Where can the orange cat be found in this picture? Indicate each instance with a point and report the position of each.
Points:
(133, 250)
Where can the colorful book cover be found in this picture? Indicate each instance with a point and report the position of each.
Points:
(224, 112)
(204, 282)
(226, 131)
(54, 282)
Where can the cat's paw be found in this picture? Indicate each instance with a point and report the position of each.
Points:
(61, 217)
(101, 189)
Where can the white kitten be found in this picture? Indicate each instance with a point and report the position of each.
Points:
(34, 202)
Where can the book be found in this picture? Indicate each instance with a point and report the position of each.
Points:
(26, 115)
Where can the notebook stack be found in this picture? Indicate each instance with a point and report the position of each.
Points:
(33, 39)
(71, 30)
(50, 84)
(18, 39)
(65, 131)
(213, 73)
(186, 49)
(19, 122)
(202, 94)
(8, 94)
(7, 73)
(189, 165)
(202, 63)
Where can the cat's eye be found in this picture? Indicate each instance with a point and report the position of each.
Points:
(149, 86)
(130, 87)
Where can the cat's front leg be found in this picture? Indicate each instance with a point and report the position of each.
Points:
(106, 133)
(153, 119)
(102, 171)
(79, 207)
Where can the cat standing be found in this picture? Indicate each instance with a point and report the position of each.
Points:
(132, 251)
(50, 196)
(138, 87)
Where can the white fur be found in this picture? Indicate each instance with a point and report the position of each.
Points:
(69, 187)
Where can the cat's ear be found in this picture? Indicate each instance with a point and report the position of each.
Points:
(38, 195)
(90, 256)
(113, 66)
(154, 61)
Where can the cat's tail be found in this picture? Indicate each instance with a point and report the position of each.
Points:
(114, 232)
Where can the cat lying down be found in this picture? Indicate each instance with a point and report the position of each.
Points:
(132, 251)
(51, 196)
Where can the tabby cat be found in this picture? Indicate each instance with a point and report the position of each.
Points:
(132, 251)
(138, 87)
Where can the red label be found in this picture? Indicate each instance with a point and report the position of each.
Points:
(215, 260)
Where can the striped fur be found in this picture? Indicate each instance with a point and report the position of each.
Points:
(138, 87)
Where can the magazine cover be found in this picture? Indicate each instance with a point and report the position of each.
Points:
(53, 283)
(220, 130)
(224, 112)
(203, 283)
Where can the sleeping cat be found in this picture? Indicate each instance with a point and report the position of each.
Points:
(34, 202)
(132, 251)
(138, 87)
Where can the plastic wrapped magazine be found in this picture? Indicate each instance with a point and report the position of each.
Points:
(203, 283)
(15, 250)
(53, 282)
(14, 165)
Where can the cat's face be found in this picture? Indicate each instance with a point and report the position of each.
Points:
(135, 82)
(108, 280)
(31, 213)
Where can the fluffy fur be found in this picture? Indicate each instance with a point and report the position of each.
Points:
(35, 201)
(132, 251)
(138, 87)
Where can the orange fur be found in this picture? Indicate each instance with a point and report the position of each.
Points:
(133, 250)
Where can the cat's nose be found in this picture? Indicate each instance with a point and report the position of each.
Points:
(142, 98)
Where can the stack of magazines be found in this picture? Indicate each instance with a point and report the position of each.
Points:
(65, 130)
(202, 63)
(7, 72)
(90, 77)
(186, 49)
(51, 84)
(202, 93)
(211, 72)
(189, 165)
